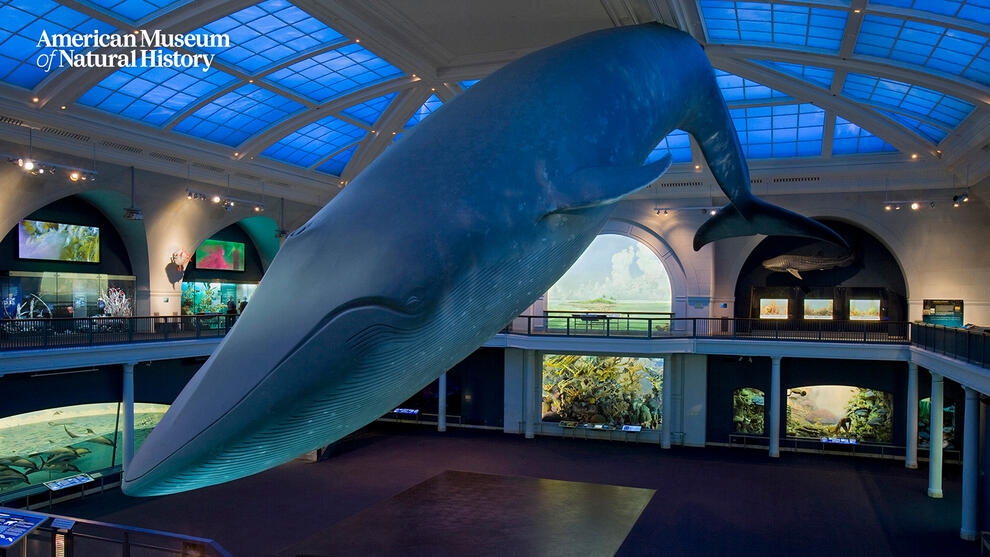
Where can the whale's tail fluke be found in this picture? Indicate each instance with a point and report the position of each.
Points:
(764, 218)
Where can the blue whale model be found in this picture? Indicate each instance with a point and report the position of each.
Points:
(439, 243)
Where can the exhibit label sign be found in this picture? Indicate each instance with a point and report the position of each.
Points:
(15, 525)
(943, 312)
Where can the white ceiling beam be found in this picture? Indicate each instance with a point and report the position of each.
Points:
(261, 141)
(893, 133)
(829, 134)
(879, 67)
(688, 19)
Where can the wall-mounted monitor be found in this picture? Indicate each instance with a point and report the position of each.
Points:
(220, 255)
(57, 241)
(773, 308)
(864, 310)
(818, 308)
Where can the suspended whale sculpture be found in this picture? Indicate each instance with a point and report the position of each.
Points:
(453, 231)
(795, 264)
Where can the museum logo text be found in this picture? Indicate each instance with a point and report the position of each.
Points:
(143, 49)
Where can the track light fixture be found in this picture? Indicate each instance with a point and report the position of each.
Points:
(225, 201)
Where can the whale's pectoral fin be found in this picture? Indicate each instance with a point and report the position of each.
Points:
(603, 185)
(764, 218)
(794, 272)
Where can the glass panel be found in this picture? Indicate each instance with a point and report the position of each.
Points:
(850, 138)
(930, 132)
(603, 390)
(736, 89)
(369, 111)
(134, 10)
(910, 99)
(306, 146)
(467, 83)
(236, 116)
(817, 76)
(783, 25)
(337, 163)
(747, 410)
(211, 297)
(428, 107)
(677, 143)
(780, 131)
(334, 73)
(973, 10)
(153, 95)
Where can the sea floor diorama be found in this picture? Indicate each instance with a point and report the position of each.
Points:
(46, 445)
(840, 411)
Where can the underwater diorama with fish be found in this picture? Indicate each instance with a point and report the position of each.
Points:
(49, 444)
(747, 410)
(602, 390)
(840, 411)
(925, 420)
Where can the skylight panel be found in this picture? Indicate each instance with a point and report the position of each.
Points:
(934, 47)
(677, 143)
(793, 130)
(268, 33)
(850, 139)
(370, 111)
(422, 112)
(779, 24)
(821, 77)
(21, 24)
(926, 130)
(912, 99)
(236, 116)
(737, 89)
(334, 73)
(133, 10)
(466, 84)
(153, 95)
(306, 146)
(337, 163)
(978, 11)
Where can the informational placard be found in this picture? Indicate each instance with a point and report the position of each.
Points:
(838, 440)
(636, 428)
(948, 313)
(15, 525)
(62, 483)
(568, 424)
(406, 411)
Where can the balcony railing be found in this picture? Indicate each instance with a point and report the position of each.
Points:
(25, 334)
(662, 326)
(969, 345)
(80, 537)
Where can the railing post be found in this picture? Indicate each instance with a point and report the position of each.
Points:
(649, 328)
(819, 331)
(165, 327)
(44, 328)
(130, 329)
(90, 319)
(568, 326)
(199, 325)
(608, 326)
(529, 325)
(776, 330)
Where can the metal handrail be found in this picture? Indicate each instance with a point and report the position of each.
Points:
(180, 543)
(67, 332)
(968, 345)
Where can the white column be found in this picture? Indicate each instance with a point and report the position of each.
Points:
(935, 439)
(442, 403)
(128, 426)
(970, 471)
(911, 452)
(775, 406)
(532, 407)
(666, 406)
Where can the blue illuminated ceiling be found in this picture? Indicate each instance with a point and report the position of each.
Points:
(297, 87)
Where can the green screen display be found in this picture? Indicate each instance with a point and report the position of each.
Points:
(56, 241)
(220, 255)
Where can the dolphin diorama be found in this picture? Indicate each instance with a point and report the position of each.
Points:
(795, 264)
(449, 234)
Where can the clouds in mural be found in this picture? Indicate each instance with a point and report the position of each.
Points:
(614, 267)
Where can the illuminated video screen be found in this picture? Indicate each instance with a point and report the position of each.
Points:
(220, 255)
(818, 308)
(864, 310)
(773, 308)
(56, 241)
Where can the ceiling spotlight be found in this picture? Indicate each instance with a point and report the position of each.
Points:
(697, 167)
(915, 206)
(74, 176)
(41, 170)
(712, 212)
(216, 199)
(887, 207)
(62, 107)
(34, 100)
(257, 209)
(914, 155)
(898, 208)
(965, 198)
(28, 164)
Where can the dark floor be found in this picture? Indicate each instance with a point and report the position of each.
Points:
(711, 501)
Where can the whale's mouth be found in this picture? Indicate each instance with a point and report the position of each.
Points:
(357, 340)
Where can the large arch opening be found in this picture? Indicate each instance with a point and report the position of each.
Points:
(617, 274)
(70, 259)
(799, 280)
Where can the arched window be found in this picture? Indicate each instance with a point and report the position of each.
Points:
(616, 274)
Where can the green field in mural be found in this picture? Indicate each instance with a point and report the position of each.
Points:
(840, 411)
(602, 390)
(58, 442)
(220, 255)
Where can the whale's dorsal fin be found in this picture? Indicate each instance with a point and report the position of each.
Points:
(603, 185)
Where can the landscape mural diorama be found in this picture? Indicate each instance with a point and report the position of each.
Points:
(840, 411)
(603, 391)
(45, 445)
